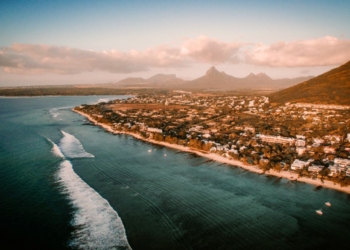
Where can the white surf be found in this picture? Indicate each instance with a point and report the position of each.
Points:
(72, 147)
(97, 225)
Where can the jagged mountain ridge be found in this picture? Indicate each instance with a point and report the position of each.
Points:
(214, 80)
(332, 87)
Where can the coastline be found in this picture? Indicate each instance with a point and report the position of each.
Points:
(235, 163)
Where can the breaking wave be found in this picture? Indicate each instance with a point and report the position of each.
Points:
(55, 111)
(96, 224)
(72, 148)
(55, 149)
(103, 100)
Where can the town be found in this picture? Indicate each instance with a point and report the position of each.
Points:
(309, 139)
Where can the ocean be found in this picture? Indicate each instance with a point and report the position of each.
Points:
(66, 184)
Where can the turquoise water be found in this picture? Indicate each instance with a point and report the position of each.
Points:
(67, 184)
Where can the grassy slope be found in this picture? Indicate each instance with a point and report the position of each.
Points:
(332, 87)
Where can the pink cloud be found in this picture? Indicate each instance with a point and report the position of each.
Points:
(40, 59)
(208, 50)
(324, 51)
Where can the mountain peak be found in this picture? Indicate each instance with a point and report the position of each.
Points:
(261, 74)
(212, 71)
(250, 75)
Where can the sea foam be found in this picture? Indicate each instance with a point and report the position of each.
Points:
(55, 149)
(97, 225)
(72, 148)
(56, 111)
(101, 100)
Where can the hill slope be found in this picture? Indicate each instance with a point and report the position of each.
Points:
(332, 87)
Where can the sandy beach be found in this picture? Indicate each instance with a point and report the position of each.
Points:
(215, 157)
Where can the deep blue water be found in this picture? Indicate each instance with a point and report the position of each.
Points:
(67, 184)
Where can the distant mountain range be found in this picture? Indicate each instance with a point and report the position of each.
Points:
(332, 87)
(213, 80)
(158, 80)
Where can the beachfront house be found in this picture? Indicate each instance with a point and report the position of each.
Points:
(334, 170)
(341, 162)
(315, 168)
(298, 164)
(154, 130)
(348, 171)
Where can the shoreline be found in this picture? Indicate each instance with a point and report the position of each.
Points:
(235, 163)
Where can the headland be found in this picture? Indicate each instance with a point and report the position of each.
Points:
(218, 158)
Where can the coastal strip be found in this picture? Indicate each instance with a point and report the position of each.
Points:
(215, 157)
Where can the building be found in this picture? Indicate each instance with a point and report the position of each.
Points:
(155, 130)
(298, 164)
(300, 150)
(315, 168)
(348, 172)
(300, 137)
(343, 163)
(334, 170)
(300, 143)
(329, 150)
(277, 139)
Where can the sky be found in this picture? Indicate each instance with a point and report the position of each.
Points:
(86, 42)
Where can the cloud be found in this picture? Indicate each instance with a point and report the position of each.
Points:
(208, 50)
(26, 58)
(41, 59)
(324, 51)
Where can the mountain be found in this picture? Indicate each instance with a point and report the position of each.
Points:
(215, 80)
(332, 87)
(131, 81)
(159, 80)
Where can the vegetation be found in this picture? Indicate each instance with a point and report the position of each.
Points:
(332, 87)
(232, 126)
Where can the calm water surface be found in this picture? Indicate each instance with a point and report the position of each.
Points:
(67, 184)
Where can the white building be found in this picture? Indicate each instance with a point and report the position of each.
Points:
(155, 130)
(347, 172)
(298, 164)
(299, 143)
(334, 170)
(315, 168)
(343, 163)
(277, 139)
(300, 150)
(329, 150)
(206, 135)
